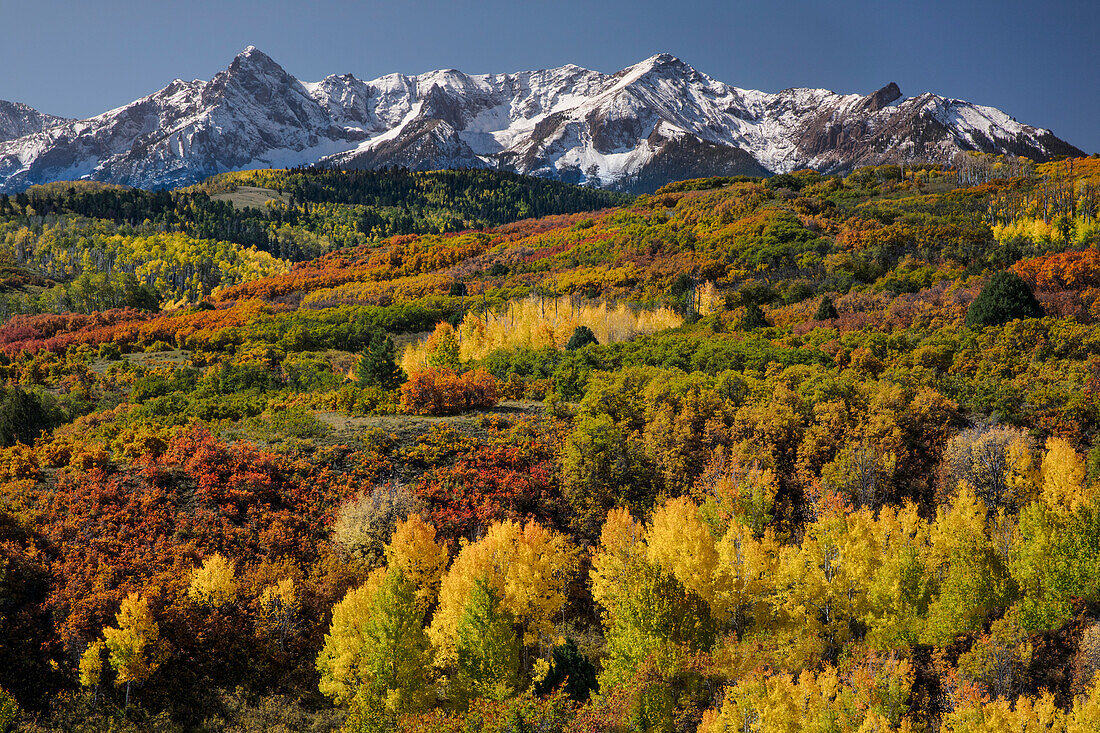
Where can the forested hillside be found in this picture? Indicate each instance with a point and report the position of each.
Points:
(798, 453)
(83, 247)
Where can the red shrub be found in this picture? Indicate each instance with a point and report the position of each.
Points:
(446, 392)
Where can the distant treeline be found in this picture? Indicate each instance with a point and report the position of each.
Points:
(328, 209)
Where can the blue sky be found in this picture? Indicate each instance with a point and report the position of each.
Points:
(1039, 62)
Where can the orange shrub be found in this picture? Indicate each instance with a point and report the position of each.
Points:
(442, 391)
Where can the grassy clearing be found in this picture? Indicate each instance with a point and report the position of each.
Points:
(251, 196)
(408, 428)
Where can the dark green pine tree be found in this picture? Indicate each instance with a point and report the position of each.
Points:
(754, 318)
(378, 364)
(826, 311)
(1004, 298)
(571, 669)
(582, 336)
(23, 416)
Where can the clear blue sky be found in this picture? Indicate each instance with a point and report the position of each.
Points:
(1038, 61)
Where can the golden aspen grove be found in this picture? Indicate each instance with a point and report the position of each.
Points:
(465, 451)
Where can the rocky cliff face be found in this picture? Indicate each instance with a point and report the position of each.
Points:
(17, 120)
(656, 121)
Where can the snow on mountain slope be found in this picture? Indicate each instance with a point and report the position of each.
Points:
(17, 120)
(653, 122)
(251, 115)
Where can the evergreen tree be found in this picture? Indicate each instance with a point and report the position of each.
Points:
(571, 668)
(23, 416)
(754, 318)
(378, 364)
(581, 337)
(488, 650)
(1004, 298)
(826, 311)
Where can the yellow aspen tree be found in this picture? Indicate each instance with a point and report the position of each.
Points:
(134, 645)
(528, 565)
(647, 611)
(820, 585)
(377, 657)
(622, 542)
(679, 543)
(998, 659)
(971, 578)
(812, 701)
(91, 666)
(1023, 473)
(214, 584)
(1024, 714)
(746, 570)
(415, 551)
(345, 644)
(1086, 710)
(899, 590)
(279, 606)
(1063, 476)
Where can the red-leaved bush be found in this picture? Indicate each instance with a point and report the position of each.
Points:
(442, 391)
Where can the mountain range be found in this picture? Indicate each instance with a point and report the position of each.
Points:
(654, 122)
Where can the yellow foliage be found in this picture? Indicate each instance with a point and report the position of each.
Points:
(1025, 715)
(746, 570)
(679, 542)
(528, 565)
(622, 541)
(1063, 477)
(91, 664)
(134, 644)
(816, 703)
(345, 644)
(415, 551)
(708, 300)
(896, 591)
(538, 322)
(738, 494)
(821, 583)
(214, 584)
(279, 604)
(18, 462)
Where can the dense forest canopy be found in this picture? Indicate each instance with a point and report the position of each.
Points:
(800, 453)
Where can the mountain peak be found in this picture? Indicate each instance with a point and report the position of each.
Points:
(663, 59)
(254, 59)
(882, 98)
(656, 121)
(658, 61)
(661, 64)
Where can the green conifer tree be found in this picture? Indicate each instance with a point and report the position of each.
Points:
(378, 364)
(826, 310)
(582, 336)
(754, 317)
(1004, 298)
(488, 650)
(396, 658)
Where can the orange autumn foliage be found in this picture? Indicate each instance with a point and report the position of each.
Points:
(442, 391)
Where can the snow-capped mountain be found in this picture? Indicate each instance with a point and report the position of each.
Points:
(17, 120)
(656, 121)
